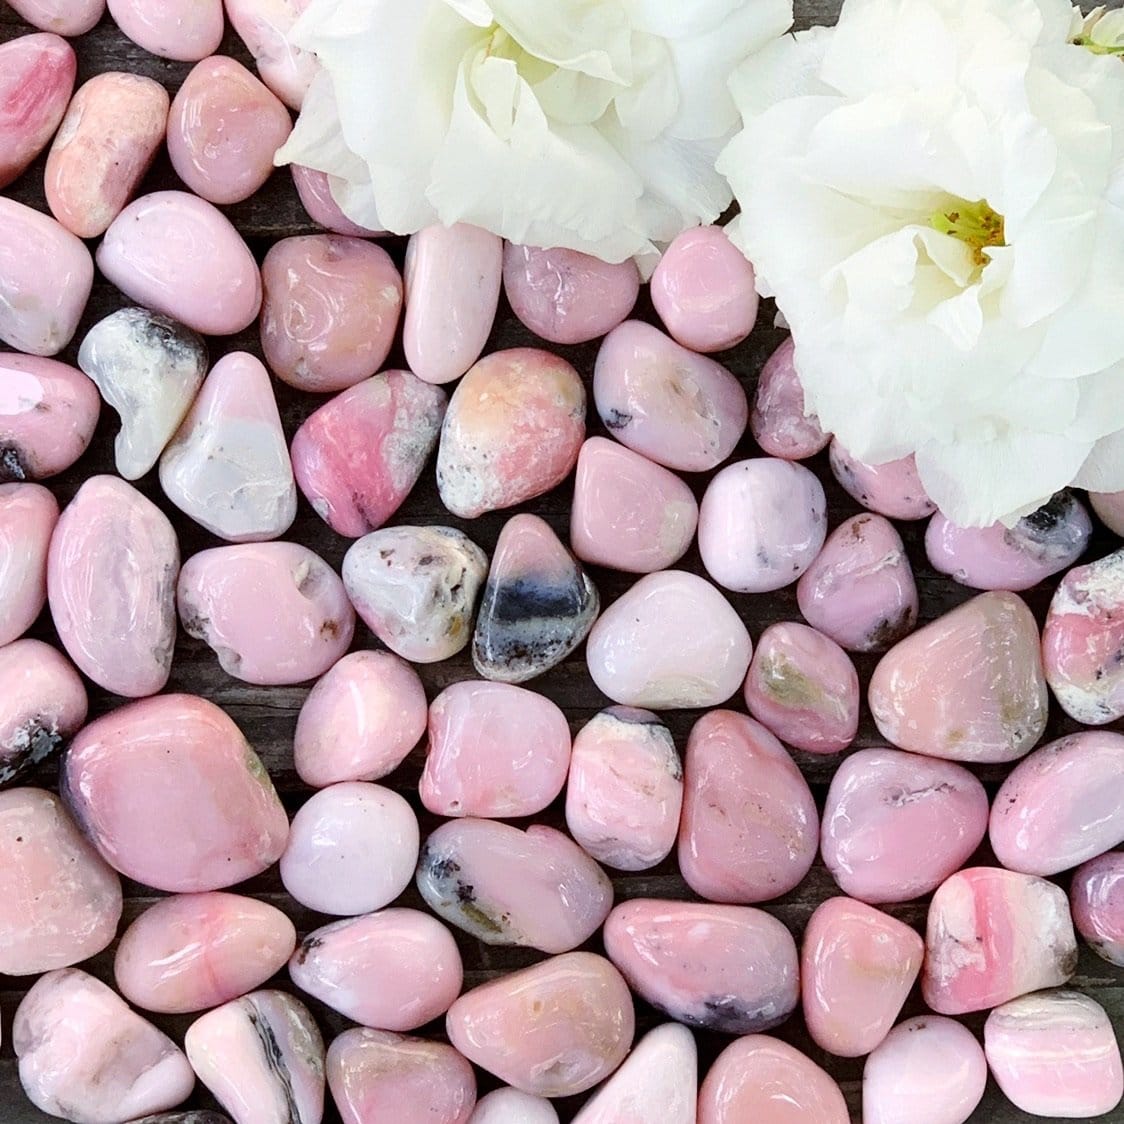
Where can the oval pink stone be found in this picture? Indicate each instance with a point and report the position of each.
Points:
(63, 17)
(778, 421)
(893, 489)
(264, 26)
(1109, 507)
(315, 193)
(28, 514)
(1096, 898)
(170, 28)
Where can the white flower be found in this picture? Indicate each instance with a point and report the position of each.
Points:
(591, 124)
(933, 191)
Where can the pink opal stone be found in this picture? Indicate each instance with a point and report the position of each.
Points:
(1096, 897)
(63, 17)
(703, 289)
(1055, 1054)
(778, 421)
(536, 888)
(677, 408)
(727, 968)
(993, 935)
(510, 1106)
(194, 951)
(671, 641)
(453, 276)
(111, 577)
(860, 589)
(896, 825)
(515, 425)
(749, 830)
(566, 296)
(315, 193)
(927, 1070)
(968, 687)
(629, 513)
(553, 1030)
(1109, 507)
(274, 613)
(111, 133)
(174, 767)
(264, 26)
(495, 750)
(625, 789)
(170, 28)
(396, 970)
(892, 489)
(179, 255)
(59, 902)
(357, 457)
(28, 514)
(360, 720)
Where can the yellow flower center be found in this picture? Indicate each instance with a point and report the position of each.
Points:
(976, 224)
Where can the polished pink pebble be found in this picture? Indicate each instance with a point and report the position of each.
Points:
(510, 1106)
(264, 26)
(28, 514)
(1096, 897)
(315, 193)
(893, 489)
(1109, 507)
(171, 28)
(63, 17)
(777, 421)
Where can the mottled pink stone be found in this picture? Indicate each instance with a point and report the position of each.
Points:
(170, 28)
(510, 1106)
(993, 935)
(892, 489)
(63, 17)
(1109, 507)
(28, 514)
(264, 26)
(315, 193)
(778, 421)
(1096, 897)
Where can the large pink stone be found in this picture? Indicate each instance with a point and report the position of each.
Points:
(993, 935)
(63, 17)
(59, 902)
(170, 28)
(28, 514)
(719, 967)
(264, 26)
(749, 830)
(495, 750)
(512, 1027)
(968, 687)
(357, 457)
(510, 1106)
(174, 767)
(896, 825)
(314, 189)
(1096, 897)
(1109, 507)
(778, 421)
(892, 489)
(677, 408)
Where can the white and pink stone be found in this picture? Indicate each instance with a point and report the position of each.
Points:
(777, 421)
(63, 17)
(28, 514)
(1109, 508)
(314, 188)
(264, 26)
(510, 1106)
(893, 489)
(1096, 898)
(170, 28)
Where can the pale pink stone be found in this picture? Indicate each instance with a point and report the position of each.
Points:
(1109, 507)
(778, 421)
(59, 902)
(993, 935)
(677, 408)
(274, 613)
(111, 133)
(177, 768)
(671, 641)
(927, 1070)
(554, 1029)
(194, 951)
(357, 457)
(893, 489)
(1096, 897)
(504, 886)
(452, 276)
(566, 296)
(86, 1057)
(395, 970)
(515, 425)
(45, 279)
(375, 1075)
(171, 28)
(111, 582)
(967, 687)
(360, 720)
(1055, 1054)
(28, 514)
(63, 17)
(896, 825)
(264, 26)
(510, 1106)
(495, 750)
(625, 789)
(352, 849)
(315, 193)
(749, 830)
(329, 312)
(179, 255)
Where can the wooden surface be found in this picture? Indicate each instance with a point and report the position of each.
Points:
(267, 715)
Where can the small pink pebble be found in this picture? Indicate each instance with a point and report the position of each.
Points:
(63, 17)
(1109, 507)
(315, 193)
(777, 421)
(1096, 897)
(264, 26)
(28, 514)
(892, 489)
(171, 28)
(510, 1106)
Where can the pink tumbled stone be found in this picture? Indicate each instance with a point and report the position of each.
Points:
(896, 825)
(993, 935)
(495, 750)
(264, 26)
(750, 829)
(28, 514)
(171, 28)
(194, 951)
(893, 489)
(677, 408)
(274, 613)
(178, 254)
(512, 1027)
(1109, 507)
(63, 17)
(1096, 897)
(510, 1106)
(315, 193)
(778, 422)
(174, 767)
(566, 296)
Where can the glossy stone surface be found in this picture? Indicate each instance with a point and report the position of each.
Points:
(264, 25)
(777, 421)
(170, 28)
(896, 825)
(893, 489)
(274, 613)
(111, 577)
(63, 17)
(28, 514)
(174, 767)
(509, 1106)
(1109, 507)
(1096, 897)
(352, 849)
(968, 687)
(672, 640)
(719, 967)
(504, 886)
(315, 192)
(193, 951)
(554, 1029)
(677, 408)
(749, 829)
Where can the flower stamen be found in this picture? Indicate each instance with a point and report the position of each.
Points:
(978, 225)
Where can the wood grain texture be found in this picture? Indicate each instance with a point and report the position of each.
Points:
(267, 716)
